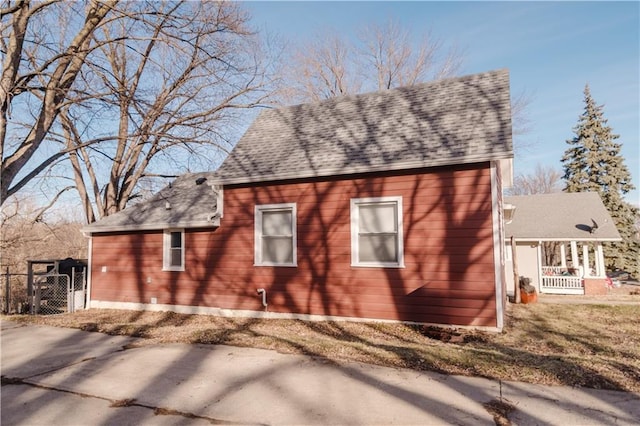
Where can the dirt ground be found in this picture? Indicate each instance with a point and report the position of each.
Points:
(562, 340)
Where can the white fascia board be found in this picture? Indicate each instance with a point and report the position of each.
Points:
(342, 171)
(153, 226)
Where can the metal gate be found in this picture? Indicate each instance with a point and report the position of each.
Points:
(58, 293)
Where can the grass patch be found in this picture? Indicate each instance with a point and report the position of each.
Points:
(593, 346)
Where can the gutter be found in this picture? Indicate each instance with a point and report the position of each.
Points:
(344, 171)
(212, 221)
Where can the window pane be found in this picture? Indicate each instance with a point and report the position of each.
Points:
(176, 257)
(378, 218)
(277, 250)
(176, 239)
(276, 223)
(378, 248)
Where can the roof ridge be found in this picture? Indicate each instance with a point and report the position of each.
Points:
(420, 85)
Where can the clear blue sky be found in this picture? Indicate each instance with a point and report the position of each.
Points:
(552, 50)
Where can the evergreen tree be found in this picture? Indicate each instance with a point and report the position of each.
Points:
(593, 163)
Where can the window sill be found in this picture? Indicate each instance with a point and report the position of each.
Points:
(174, 269)
(378, 265)
(276, 265)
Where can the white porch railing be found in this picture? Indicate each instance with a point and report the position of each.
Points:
(554, 270)
(555, 283)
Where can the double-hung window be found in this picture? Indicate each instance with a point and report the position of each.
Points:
(173, 250)
(376, 232)
(275, 235)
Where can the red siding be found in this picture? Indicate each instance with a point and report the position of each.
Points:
(449, 274)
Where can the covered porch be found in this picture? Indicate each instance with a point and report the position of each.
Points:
(572, 272)
(558, 241)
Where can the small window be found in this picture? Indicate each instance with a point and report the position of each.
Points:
(376, 232)
(275, 235)
(173, 250)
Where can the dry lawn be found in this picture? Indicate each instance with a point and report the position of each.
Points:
(594, 346)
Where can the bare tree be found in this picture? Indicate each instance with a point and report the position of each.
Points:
(157, 87)
(37, 75)
(521, 122)
(388, 50)
(322, 69)
(382, 57)
(25, 234)
(170, 84)
(544, 180)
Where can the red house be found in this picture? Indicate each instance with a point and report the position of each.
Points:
(384, 206)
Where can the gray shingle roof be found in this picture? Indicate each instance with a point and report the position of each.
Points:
(560, 216)
(453, 121)
(192, 205)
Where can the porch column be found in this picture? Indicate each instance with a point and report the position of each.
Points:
(575, 261)
(585, 260)
(540, 274)
(600, 271)
(563, 255)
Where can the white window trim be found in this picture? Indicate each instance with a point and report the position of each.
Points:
(355, 226)
(257, 244)
(166, 250)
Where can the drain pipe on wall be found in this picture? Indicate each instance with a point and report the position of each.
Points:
(263, 292)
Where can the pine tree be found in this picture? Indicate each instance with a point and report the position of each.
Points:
(593, 163)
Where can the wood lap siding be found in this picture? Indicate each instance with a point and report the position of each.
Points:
(448, 278)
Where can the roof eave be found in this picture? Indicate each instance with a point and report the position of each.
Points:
(215, 223)
(328, 172)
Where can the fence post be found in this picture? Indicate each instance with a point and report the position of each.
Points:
(73, 290)
(30, 290)
(7, 292)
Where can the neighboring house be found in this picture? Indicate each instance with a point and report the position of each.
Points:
(381, 206)
(566, 229)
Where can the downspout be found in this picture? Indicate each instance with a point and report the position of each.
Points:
(218, 191)
(263, 292)
(497, 220)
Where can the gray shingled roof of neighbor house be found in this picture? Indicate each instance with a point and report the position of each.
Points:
(560, 216)
(453, 121)
(184, 203)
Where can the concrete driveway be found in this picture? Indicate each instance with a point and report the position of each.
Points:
(58, 376)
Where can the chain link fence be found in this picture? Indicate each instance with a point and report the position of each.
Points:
(51, 294)
(47, 293)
